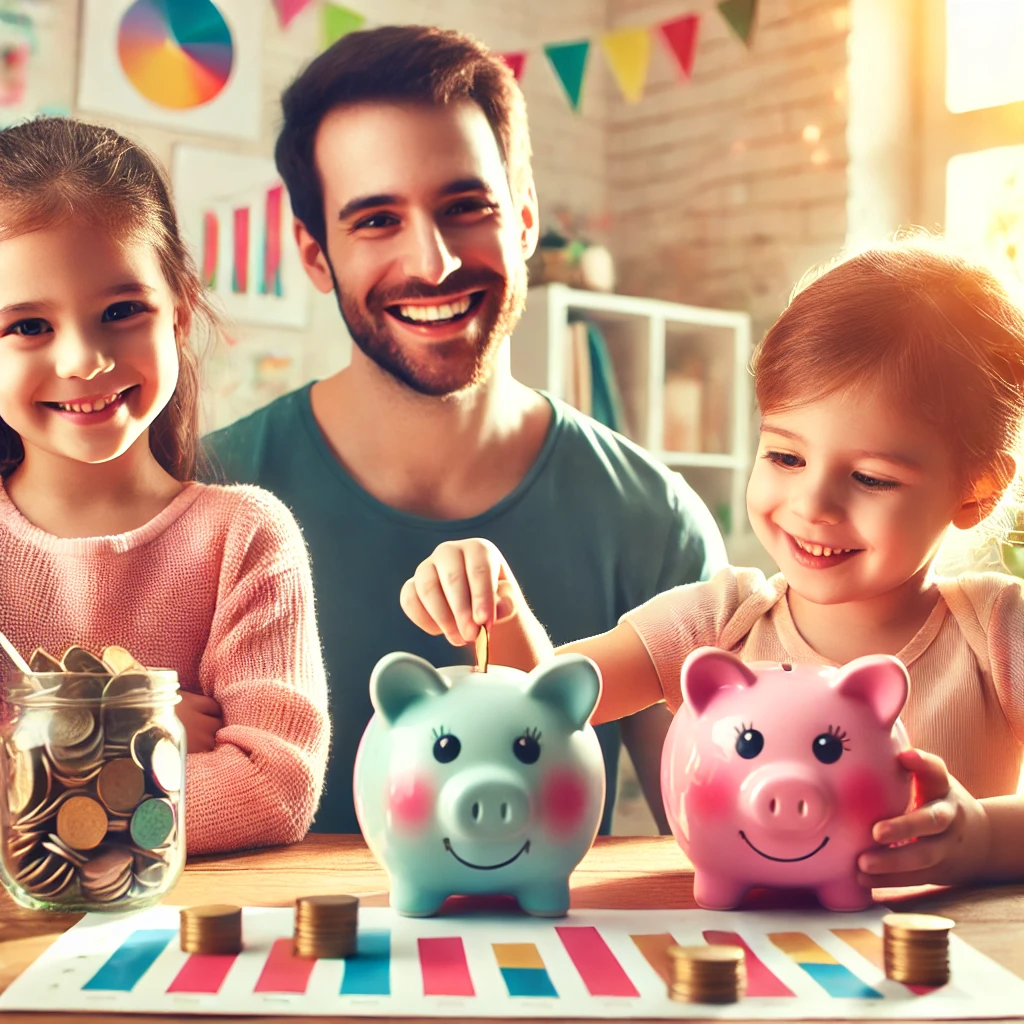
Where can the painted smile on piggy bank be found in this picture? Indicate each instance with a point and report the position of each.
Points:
(480, 783)
(525, 848)
(782, 860)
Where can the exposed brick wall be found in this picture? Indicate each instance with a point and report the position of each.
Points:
(716, 197)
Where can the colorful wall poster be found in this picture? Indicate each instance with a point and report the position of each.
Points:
(235, 215)
(190, 65)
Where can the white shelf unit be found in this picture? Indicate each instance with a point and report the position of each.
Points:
(645, 337)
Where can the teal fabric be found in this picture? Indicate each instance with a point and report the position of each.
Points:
(606, 402)
(594, 528)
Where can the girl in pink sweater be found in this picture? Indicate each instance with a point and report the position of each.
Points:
(104, 537)
(891, 393)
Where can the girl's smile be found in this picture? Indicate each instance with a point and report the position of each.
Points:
(91, 409)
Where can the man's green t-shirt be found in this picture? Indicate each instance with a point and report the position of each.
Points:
(595, 528)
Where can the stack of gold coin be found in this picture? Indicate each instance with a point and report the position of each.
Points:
(215, 928)
(325, 926)
(916, 948)
(707, 974)
(94, 777)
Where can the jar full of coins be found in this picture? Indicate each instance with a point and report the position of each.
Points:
(92, 763)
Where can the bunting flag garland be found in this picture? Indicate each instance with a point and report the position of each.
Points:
(629, 52)
(338, 21)
(287, 9)
(681, 36)
(740, 16)
(569, 61)
(516, 61)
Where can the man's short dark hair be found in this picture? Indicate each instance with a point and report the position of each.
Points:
(404, 64)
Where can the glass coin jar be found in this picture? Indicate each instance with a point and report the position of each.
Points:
(92, 786)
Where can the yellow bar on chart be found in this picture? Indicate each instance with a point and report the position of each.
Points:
(801, 948)
(865, 942)
(655, 951)
(517, 954)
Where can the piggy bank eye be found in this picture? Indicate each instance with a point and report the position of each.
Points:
(749, 743)
(446, 748)
(527, 747)
(829, 746)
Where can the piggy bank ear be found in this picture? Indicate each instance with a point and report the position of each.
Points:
(880, 681)
(708, 670)
(399, 680)
(569, 682)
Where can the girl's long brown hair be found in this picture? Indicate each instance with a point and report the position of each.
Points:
(56, 168)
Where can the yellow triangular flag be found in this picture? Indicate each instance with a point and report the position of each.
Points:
(629, 52)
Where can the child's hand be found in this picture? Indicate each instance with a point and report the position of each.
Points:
(201, 717)
(463, 585)
(950, 828)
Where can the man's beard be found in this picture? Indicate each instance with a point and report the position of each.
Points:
(438, 369)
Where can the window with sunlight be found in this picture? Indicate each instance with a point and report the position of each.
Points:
(984, 53)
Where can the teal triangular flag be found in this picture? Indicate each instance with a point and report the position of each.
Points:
(569, 61)
(740, 16)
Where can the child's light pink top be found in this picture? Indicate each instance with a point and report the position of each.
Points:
(966, 663)
(217, 587)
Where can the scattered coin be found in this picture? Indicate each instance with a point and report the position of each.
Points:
(707, 974)
(916, 948)
(483, 649)
(216, 928)
(325, 926)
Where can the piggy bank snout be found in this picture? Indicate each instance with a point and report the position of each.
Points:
(484, 805)
(787, 799)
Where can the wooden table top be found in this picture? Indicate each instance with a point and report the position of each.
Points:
(620, 873)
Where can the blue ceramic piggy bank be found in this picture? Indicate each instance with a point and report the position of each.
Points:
(480, 782)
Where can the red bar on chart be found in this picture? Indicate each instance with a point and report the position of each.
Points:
(240, 263)
(203, 972)
(271, 284)
(283, 971)
(760, 980)
(444, 967)
(211, 248)
(601, 972)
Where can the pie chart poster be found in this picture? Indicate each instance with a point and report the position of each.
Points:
(188, 65)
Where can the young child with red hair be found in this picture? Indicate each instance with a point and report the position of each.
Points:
(891, 392)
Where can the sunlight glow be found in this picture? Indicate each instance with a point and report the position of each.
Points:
(984, 47)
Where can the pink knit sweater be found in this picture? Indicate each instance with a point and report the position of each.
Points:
(217, 587)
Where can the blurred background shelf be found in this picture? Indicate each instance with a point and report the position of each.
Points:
(679, 382)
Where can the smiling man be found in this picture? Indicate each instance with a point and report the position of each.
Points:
(407, 158)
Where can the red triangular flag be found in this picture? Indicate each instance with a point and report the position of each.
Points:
(681, 36)
(516, 61)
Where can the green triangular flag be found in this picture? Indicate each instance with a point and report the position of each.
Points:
(740, 16)
(338, 21)
(569, 61)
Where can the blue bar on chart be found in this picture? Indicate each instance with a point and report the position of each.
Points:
(838, 981)
(523, 969)
(368, 973)
(130, 961)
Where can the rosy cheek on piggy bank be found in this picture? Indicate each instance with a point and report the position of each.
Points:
(862, 797)
(713, 799)
(563, 802)
(410, 801)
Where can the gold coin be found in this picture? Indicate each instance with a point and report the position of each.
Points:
(483, 649)
(215, 928)
(41, 661)
(117, 659)
(717, 954)
(81, 823)
(121, 784)
(916, 924)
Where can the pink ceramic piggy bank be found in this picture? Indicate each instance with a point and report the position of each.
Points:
(773, 775)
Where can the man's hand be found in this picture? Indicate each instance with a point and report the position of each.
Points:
(201, 717)
(945, 840)
(463, 585)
